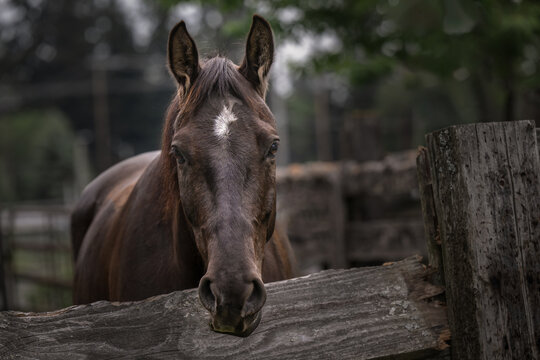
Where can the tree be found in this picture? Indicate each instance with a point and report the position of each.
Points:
(491, 43)
(35, 156)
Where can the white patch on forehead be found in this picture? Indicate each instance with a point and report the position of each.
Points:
(223, 120)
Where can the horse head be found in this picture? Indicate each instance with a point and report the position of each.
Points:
(224, 145)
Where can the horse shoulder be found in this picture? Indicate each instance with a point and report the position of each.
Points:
(92, 219)
(102, 190)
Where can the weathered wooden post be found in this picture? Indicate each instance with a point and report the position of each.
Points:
(486, 190)
(431, 228)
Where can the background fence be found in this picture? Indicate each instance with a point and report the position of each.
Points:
(37, 256)
(343, 214)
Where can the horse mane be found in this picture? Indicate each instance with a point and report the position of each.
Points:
(218, 77)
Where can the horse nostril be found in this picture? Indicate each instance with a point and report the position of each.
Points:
(256, 299)
(206, 295)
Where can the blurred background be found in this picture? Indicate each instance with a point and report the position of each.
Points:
(355, 86)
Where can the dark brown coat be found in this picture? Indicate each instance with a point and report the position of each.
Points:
(202, 211)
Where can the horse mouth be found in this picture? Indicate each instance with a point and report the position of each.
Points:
(243, 328)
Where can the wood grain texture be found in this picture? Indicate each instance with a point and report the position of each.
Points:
(486, 182)
(431, 227)
(367, 313)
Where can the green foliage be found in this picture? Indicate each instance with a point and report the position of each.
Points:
(491, 39)
(35, 155)
(431, 63)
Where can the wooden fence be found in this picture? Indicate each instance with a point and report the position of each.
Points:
(36, 254)
(480, 192)
(347, 314)
(342, 214)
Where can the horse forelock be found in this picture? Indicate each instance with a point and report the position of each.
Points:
(219, 78)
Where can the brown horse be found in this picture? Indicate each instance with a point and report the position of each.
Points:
(201, 211)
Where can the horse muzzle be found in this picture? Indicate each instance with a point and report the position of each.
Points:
(242, 327)
(235, 307)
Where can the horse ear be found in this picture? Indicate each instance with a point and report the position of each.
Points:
(259, 54)
(183, 57)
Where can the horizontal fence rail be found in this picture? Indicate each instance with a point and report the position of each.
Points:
(365, 313)
(36, 256)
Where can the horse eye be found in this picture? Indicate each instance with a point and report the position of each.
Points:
(175, 151)
(273, 150)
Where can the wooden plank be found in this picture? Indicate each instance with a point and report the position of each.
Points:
(365, 313)
(42, 246)
(337, 218)
(431, 230)
(384, 240)
(393, 176)
(46, 208)
(43, 280)
(486, 182)
(310, 204)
